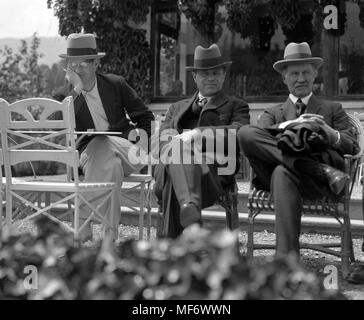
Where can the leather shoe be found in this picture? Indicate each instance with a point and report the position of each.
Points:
(189, 214)
(357, 275)
(336, 179)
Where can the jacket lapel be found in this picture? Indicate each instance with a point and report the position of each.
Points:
(314, 105)
(215, 102)
(183, 106)
(288, 110)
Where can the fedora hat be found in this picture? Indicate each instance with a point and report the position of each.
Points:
(297, 53)
(81, 46)
(208, 58)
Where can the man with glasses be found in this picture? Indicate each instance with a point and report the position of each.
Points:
(103, 102)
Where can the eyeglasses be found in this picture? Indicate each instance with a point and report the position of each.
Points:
(83, 64)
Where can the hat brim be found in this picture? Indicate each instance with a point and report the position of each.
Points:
(281, 64)
(91, 56)
(225, 64)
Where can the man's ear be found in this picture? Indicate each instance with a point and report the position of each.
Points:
(194, 75)
(284, 78)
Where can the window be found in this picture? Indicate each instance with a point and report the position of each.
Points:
(252, 75)
(351, 64)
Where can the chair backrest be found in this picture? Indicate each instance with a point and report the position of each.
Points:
(43, 137)
(357, 120)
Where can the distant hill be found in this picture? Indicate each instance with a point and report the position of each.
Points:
(50, 47)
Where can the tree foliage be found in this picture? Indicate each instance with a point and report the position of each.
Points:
(117, 26)
(20, 75)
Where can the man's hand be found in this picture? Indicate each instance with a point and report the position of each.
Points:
(307, 117)
(188, 135)
(333, 135)
(75, 80)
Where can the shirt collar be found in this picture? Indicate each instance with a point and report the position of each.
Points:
(92, 91)
(200, 97)
(304, 100)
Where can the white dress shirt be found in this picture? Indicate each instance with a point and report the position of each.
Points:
(96, 108)
(304, 100)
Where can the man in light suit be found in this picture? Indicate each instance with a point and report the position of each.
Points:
(312, 174)
(184, 189)
(102, 102)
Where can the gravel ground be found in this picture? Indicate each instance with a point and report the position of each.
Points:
(312, 261)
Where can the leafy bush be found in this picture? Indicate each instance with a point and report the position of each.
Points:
(198, 265)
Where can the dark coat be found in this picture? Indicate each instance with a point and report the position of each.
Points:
(119, 100)
(227, 112)
(335, 116)
(333, 113)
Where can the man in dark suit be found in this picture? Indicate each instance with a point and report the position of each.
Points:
(202, 122)
(309, 174)
(102, 102)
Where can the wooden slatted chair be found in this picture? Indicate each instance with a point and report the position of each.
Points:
(261, 201)
(45, 139)
(359, 176)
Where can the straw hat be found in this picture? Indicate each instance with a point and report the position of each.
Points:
(82, 46)
(297, 53)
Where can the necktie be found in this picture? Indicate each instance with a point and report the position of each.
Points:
(200, 103)
(300, 107)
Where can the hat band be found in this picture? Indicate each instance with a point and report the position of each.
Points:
(81, 51)
(207, 63)
(297, 56)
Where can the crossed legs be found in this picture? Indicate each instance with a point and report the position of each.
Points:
(260, 147)
(106, 159)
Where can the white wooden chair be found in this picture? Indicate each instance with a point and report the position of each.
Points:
(142, 185)
(45, 139)
(2, 189)
(136, 194)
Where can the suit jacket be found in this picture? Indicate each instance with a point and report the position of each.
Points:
(118, 100)
(232, 113)
(333, 113)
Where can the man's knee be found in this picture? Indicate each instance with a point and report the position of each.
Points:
(282, 178)
(99, 145)
(247, 135)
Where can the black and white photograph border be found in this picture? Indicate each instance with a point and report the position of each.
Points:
(81, 221)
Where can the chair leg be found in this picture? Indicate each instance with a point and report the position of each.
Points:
(76, 218)
(141, 210)
(250, 244)
(160, 223)
(352, 256)
(235, 213)
(149, 211)
(9, 209)
(345, 247)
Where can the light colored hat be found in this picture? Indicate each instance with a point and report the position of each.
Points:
(297, 53)
(209, 58)
(81, 46)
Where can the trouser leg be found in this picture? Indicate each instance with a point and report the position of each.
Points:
(106, 159)
(260, 147)
(288, 207)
